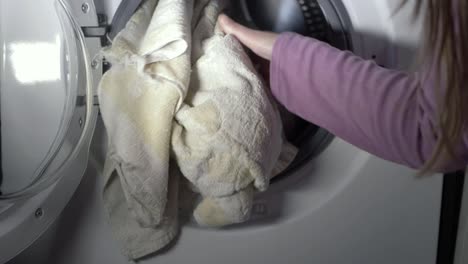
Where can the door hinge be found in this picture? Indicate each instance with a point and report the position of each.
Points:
(100, 31)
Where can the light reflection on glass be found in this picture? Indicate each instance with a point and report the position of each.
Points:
(3, 57)
(37, 61)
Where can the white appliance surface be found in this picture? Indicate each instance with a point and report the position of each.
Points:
(345, 206)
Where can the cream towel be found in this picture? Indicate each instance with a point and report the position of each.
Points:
(138, 241)
(228, 136)
(138, 97)
(226, 139)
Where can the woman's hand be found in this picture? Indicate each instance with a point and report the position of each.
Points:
(260, 42)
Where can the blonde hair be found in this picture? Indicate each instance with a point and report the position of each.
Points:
(447, 35)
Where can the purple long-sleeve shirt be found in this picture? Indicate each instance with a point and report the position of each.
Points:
(389, 113)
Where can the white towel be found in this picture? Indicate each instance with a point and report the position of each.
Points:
(228, 136)
(138, 97)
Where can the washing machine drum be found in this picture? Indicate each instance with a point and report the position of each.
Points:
(48, 83)
(325, 20)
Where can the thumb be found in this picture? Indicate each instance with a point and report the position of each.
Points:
(260, 42)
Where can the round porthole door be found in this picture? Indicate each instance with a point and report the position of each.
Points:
(47, 116)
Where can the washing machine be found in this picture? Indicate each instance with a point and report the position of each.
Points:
(334, 204)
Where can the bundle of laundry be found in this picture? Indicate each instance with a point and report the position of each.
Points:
(183, 100)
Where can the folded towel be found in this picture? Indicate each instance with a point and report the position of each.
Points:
(228, 136)
(138, 97)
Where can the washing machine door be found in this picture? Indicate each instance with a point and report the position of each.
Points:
(46, 115)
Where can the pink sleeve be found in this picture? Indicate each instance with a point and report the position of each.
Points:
(388, 113)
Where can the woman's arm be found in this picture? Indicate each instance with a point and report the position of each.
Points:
(388, 113)
(385, 112)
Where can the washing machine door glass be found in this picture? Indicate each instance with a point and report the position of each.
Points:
(45, 94)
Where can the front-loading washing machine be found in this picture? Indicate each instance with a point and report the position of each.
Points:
(334, 204)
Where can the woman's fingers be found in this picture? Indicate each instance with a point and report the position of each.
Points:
(260, 42)
(227, 24)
